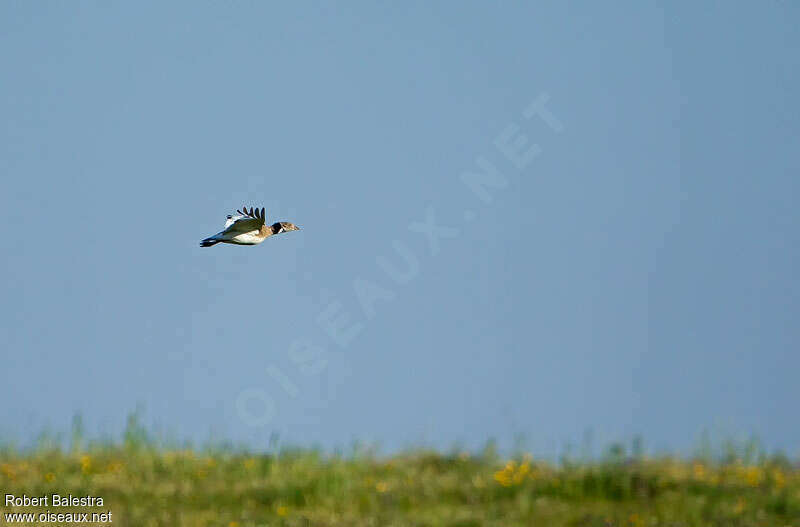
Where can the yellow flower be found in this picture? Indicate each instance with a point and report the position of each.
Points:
(739, 507)
(249, 463)
(50, 477)
(519, 475)
(503, 477)
(8, 471)
(381, 486)
(86, 463)
(282, 510)
(512, 474)
(233, 524)
(754, 476)
(699, 471)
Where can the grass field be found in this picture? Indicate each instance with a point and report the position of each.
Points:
(146, 485)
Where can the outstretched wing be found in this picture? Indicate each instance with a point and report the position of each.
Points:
(232, 218)
(245, 220)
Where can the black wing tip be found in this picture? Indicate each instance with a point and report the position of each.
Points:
(259, 214)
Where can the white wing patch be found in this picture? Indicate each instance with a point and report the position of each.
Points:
(233, 218)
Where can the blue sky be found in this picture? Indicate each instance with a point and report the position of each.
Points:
(635, 274)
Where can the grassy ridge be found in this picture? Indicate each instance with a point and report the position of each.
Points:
(145, 485)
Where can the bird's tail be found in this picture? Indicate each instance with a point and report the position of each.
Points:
(208, 242)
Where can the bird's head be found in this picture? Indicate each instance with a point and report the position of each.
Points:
(284, 226)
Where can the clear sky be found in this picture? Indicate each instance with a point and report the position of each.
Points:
(630, 267)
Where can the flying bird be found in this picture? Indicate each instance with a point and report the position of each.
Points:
(248, 228)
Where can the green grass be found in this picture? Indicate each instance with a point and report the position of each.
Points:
(146, 485)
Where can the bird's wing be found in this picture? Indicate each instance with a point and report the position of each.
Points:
(232, 218)
(246, 221)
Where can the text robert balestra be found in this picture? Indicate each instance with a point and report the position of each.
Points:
(53, 500)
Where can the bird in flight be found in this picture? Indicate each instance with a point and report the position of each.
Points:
(248, 228)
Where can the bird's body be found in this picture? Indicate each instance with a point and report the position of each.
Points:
(247, 238)
(247, 228)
